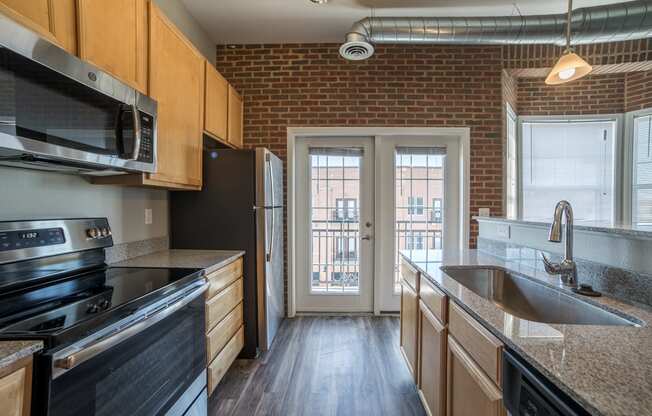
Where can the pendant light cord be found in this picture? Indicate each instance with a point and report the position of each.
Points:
(568, 25)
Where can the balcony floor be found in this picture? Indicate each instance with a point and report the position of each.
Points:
(343, 365)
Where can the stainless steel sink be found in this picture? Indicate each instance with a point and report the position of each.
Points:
(526, 299)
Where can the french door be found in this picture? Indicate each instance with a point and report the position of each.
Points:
(335, 227)
(359, 202)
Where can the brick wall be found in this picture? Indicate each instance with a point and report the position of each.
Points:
(311, 85)
(597, 94)
(638, 91)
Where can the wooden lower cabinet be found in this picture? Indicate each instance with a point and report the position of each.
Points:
(470, 391)
(224, 320)
(409, 327)
(432, 362)
(16, 388)
(219, 366)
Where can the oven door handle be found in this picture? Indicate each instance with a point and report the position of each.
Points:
(86, 352)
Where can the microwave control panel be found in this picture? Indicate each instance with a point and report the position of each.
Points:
(146, 153)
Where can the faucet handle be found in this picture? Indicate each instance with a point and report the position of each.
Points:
(551, 268)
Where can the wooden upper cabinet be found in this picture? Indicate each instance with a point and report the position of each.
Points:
(216, 103)
(236, 113)
(113, 36)
(52, 19)
(176, 82)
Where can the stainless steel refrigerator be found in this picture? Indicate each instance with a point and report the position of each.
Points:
(240, 207)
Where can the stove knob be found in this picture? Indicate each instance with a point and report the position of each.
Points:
(104, 231)
(93, 308)
(93, 232)
(104, 304)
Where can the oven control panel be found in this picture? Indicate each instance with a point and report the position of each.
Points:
(16, 240)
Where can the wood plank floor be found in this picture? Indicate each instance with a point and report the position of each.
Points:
(323, 366)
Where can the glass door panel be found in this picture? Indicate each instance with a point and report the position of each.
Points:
(419, 201)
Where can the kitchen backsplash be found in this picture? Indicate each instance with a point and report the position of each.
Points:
(626, 285)
(126, 251)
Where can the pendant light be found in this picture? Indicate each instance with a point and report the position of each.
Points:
(570, 66)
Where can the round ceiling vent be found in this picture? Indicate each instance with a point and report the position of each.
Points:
(356, 50)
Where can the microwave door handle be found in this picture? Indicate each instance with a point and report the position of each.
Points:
(86, 352)
(137, 133)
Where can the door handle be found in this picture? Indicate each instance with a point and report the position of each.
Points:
(366, 237)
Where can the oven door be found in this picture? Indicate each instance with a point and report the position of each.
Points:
(75, 114)
(145, 371)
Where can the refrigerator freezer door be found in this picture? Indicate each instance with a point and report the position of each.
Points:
(271, 287)
(269, 179)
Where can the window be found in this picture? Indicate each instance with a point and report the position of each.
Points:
(346, 249)
(346, 279)
(415, 205)
(436, 210)
(642, 171)
(572, 160)
(436, 240)
(346, 209)
(511, 170)
(415, 241)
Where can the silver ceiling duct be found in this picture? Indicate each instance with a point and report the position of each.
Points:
(609, 23)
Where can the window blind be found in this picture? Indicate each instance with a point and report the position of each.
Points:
(642, 183)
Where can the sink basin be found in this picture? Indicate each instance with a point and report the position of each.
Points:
(526, 299)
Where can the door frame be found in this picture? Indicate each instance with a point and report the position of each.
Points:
(463, 134)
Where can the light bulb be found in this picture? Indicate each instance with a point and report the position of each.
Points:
(566, 73)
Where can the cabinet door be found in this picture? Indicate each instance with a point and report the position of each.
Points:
(54, 20)
(15, 389)
(432, 361)
(470, 391)
(176, 82)
(236, 112)
(409, 316)
(216, 105)
(113, 36)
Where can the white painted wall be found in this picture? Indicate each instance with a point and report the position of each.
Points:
(31, 194)
(179, 15)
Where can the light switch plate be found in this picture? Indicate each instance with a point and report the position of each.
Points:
(484, 212)
(148, 216)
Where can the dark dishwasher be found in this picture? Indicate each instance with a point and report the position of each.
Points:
(526, 392)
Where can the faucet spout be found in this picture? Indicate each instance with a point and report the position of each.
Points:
(567, 268)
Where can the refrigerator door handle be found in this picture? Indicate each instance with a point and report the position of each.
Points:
(271, 182)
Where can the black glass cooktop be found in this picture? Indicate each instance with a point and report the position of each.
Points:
(74, 307)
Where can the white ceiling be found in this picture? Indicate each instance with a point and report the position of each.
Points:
(297, 21)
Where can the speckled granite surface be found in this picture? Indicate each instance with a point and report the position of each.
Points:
(12, 351)
(126, 251)
(607, 369)
(209, 260)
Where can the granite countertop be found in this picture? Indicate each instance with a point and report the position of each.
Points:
(607, 369)
(12, 351)
(623, 230)
(209, 260)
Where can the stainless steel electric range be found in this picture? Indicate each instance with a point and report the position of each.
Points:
(118, 341)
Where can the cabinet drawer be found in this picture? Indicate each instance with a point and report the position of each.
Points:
(434, 299)
(481, 345)
(217, 338)
(410, 275)
(224, 359)
(14, 397)
(223, 277)
(219, 305)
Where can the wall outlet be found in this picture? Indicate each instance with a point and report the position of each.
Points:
(484, 212)
(148, 216)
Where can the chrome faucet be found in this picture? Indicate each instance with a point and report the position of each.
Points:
(567, 268)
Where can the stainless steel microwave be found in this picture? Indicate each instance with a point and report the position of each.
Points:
(60, 113)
